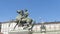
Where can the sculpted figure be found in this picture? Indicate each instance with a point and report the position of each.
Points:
(43, 28)
(19, 17)
(27, 19)
(20, 14)
(26, 13)
(23, 18)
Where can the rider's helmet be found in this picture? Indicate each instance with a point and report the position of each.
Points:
(26, 10)
(19, 11)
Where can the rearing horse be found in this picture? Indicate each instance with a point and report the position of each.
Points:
(26, 21)
(22, 19)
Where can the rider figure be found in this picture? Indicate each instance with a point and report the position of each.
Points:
(26, 17)
(26, 13)
(23, 17)
(19, 17)
(20, 14)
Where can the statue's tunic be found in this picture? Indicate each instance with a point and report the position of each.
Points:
(26, 14)
(19, 17)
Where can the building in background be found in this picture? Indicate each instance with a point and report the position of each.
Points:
(50, 26)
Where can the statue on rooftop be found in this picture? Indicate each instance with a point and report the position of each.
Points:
(25, 24)
(43, 28)
(22, 19)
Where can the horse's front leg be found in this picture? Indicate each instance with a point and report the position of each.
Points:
(15, 25)
(9, 24)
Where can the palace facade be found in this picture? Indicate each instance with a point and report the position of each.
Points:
(49, 26)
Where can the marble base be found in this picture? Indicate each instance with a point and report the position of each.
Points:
(20, 32)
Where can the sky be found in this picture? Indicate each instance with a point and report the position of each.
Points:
(39, 10)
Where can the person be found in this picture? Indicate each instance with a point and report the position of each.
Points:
(26, 13)
(20, 14)
(19, 17)
(25, 16)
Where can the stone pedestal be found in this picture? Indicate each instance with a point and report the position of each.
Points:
(20, 32)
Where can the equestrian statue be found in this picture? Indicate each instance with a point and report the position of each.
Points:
(22, 19)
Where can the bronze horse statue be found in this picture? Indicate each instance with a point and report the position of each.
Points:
(23, 20)
(24, 23)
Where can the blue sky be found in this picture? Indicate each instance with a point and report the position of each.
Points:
(48, 10)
